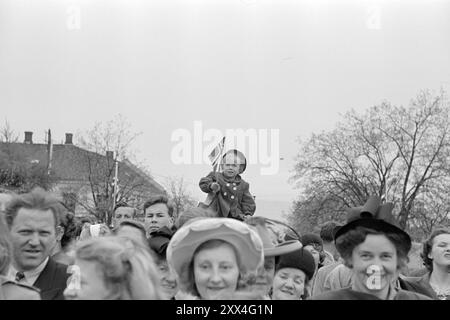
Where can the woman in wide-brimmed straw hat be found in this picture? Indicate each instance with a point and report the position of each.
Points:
(375, 248)
(212, 257)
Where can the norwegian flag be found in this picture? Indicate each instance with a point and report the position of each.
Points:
(216, 154)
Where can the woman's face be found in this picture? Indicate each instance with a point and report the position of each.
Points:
(376, 252)
(87, 282)
(315, 253)
(288, 284)
(216, 272)
(168, 280)
(440, 251)
(264, 277)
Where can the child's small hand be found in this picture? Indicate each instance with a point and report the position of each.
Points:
(215, 187)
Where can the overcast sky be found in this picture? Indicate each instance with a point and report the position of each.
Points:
(287, 65)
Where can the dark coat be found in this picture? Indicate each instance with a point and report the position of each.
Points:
(411, 284)
(52, 281)
(234, 199)
(349, 294)
(424, 283)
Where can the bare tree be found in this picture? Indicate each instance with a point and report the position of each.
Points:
(313, 208)
(114, 135)
(178, 193)
(7, 134)
(110, 143)
(432, 207)
(388, 151)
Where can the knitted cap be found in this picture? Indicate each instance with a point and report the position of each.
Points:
(300, 259)
(311, 239)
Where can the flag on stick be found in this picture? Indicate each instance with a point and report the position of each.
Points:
(216, 154)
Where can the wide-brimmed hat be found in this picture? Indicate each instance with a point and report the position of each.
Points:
(188, 238)
(300, 259)
(376, 216)
(240, 155)
(271, 248)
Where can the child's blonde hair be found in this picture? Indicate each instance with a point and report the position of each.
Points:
(129, 270)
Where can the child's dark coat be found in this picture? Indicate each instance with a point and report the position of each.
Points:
(234, 199)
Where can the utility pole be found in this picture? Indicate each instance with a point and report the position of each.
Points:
(49, 152)
(115, 186)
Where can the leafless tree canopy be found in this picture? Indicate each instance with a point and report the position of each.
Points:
(177, 190)
(398, 153)
(112, 136)
(7, 134)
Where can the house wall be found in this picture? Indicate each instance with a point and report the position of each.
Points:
(83, 191)
(79, 188)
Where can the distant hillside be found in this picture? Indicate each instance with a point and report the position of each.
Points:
(272, 209)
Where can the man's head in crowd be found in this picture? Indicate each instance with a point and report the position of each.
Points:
(123, 212)
(32, 219)
(158, 213)
(314, 244)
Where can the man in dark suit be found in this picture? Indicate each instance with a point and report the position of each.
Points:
(33, 221)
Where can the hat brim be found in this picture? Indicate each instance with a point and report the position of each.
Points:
(186, 240)
(281, 249)
(376, 224)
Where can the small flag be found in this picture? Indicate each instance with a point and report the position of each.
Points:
(216, 154)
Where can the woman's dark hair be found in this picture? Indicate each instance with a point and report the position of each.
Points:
(72, 229)
(428, 245)
(348, 241)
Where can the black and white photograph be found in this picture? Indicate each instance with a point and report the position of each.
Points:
(234, 151)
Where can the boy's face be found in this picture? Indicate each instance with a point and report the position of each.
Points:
(156, 217)
(231, 165)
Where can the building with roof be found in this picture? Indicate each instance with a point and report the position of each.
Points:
(84, 179)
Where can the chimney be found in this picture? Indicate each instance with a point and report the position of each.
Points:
(28, 137)
(69, 138)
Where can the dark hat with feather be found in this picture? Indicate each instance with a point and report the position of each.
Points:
(376, 216)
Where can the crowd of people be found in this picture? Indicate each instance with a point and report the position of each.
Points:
(48, 253)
